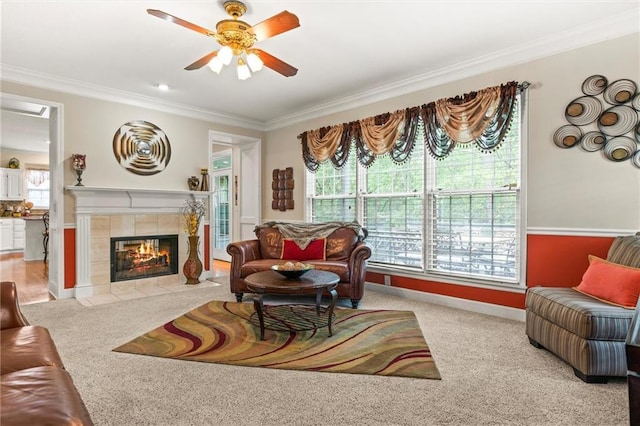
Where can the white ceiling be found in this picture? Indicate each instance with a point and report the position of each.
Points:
(347, 52)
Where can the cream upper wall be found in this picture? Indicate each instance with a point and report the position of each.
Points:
(89, 127)
(26, 158)
(567, 189)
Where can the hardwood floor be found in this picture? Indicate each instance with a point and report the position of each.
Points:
(31, 277)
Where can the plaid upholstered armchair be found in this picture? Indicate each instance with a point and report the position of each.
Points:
(586, 326)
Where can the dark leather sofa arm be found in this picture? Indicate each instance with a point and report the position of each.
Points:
(242, 252)
(357, 266)
(10, 314)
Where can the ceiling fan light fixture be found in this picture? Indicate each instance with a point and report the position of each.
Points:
(254, 62)
(236, 38)
(225, 54)
(216, 65)
(243, 70)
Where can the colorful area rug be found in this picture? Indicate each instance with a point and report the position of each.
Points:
(380, 342)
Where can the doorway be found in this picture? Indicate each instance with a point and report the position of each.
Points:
(235, 207)
(51, 113)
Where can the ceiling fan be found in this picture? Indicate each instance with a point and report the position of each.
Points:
(237, 39)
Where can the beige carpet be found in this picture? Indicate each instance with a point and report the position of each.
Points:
(491, 375)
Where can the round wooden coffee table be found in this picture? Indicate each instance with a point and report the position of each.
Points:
(314, 281)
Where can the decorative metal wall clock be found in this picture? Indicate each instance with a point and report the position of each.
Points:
(607, 118)
(141, 148)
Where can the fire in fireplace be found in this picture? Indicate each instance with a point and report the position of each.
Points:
(143, 257)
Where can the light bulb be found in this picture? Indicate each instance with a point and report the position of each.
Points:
(243, 70)
(216, 65)
(254, 61)
(225, 54)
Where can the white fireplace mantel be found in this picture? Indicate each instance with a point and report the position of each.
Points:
(104, 201)
(100, 201)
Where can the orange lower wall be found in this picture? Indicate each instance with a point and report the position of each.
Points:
(70, 256)
(560, 261)
(496, 297)
(552, 260)
(207, 249)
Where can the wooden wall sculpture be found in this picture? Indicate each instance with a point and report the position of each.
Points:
(282, 189)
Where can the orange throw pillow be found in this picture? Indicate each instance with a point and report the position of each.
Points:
(611, 282)
(314, 251)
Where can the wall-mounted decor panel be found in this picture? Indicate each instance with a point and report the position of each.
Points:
(282, 189)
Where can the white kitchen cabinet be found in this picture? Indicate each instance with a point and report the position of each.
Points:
(11, 184)
(33, 248)
(18, 234)
(6, 234)
(12, 234)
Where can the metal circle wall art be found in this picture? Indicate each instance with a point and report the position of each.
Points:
(617, 120)
(583, 110)
(606, 118)
(141, 148)
(620, 92)
(593, 141)
(620, 148)
(594, 85)
(636, 159)
(567, 136)
(635, 102)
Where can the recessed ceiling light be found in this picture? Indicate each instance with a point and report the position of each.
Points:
(162, 86)
(47, 142)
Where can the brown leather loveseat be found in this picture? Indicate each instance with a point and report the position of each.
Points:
(345, 253)
(35, 388)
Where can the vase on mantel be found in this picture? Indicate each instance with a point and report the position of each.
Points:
(193, 266)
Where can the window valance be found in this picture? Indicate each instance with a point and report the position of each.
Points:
(481, 117)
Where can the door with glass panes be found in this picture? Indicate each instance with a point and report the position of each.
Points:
(221, 226)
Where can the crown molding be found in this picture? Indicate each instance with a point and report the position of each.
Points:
(613, 27)
(51, 82)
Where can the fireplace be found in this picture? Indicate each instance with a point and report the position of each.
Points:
(139, 257)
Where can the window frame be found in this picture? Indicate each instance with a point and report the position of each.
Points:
(26, 189)
(516, 284)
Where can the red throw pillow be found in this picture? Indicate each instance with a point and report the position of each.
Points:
(611, 282)
(314, 251)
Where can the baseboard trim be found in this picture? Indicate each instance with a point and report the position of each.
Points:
(67, 293)
(452, 302)
(580, 232)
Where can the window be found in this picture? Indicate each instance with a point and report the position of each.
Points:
(334, 192)
(457, 217)
(38, 187)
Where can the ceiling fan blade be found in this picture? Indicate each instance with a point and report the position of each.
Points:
(277, 24)
(276, 64)
(197, 28)
(202, 61)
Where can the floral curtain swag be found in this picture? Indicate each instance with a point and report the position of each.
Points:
(37, 177)
(481, 117)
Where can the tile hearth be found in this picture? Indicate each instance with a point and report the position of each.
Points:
(129, 293)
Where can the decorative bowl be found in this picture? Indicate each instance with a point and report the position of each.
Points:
(292, 271)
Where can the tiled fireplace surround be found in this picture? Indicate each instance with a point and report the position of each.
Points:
(102, 213)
